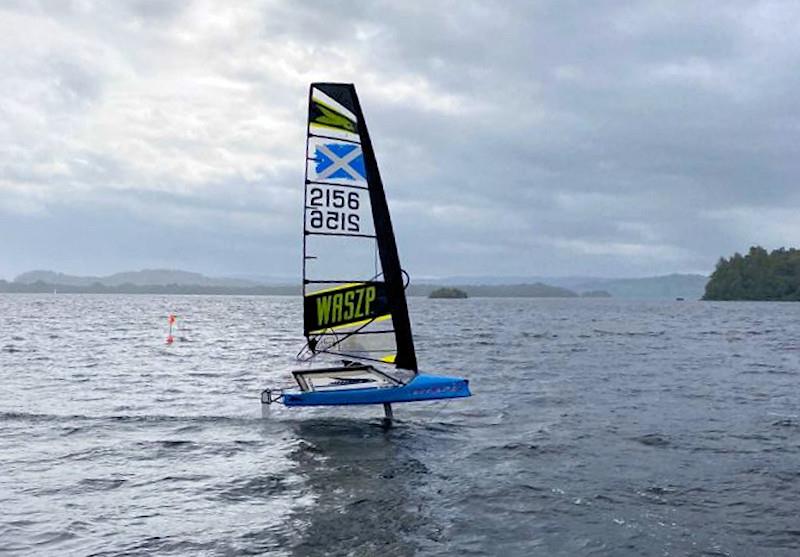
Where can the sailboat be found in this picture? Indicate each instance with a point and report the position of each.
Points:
(354, 302)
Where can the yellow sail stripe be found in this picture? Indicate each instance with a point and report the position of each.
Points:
(333, 288)
(342, 130)
(334, 110)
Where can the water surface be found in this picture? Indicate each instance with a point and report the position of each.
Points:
(598, 427)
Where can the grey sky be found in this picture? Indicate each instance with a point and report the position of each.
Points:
(542, 138)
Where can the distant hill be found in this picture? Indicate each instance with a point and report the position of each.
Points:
(537, 290)
(41, 287)
(163, 281)
(146, 277)
(498, 280)
(663, 287)
(595, 294)
(667, 287)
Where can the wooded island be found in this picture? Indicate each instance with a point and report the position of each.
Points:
(759, 275)
(451, 293)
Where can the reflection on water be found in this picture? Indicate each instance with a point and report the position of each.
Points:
(364, 487)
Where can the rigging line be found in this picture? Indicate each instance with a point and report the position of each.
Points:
(353, 355)
(408, 279)
(348, 335)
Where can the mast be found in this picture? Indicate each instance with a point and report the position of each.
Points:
(387, 246)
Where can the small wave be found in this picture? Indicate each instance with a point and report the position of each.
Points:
(156, 545)
(191, 428)
(658, 490)
(517, 447)
(185, 478)
(176, 443)
(526, 334)
(534, 488)
(247, 489)
(787, 422)
(66, 431)
(132, 418)
(630, 333)
(518, 450)
(91, 453)
(101, 484)
(653, 440)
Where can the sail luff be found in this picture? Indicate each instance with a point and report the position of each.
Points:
(387, 247)
(305, 192)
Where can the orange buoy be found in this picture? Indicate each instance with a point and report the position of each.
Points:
(171, 320)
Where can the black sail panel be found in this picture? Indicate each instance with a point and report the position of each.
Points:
(354, 297)
(387, 248)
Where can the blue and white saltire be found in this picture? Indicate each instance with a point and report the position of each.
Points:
(339, 161)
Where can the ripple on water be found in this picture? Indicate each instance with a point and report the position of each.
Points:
(654, 440)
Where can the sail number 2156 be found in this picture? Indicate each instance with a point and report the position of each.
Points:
(335, 210)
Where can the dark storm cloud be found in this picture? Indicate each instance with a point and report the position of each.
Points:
(541, 138)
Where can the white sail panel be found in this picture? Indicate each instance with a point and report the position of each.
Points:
(339, 258)
(334, 210)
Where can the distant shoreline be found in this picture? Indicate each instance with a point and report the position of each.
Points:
(419, 290)
(175, 282)
(48, 288)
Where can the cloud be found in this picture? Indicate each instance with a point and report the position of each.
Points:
(525, 138)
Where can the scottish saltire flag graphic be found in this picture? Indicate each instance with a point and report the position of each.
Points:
(339, 161)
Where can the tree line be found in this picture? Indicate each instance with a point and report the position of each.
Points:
(758, 275)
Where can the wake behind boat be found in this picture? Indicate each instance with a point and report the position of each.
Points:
(354, 305)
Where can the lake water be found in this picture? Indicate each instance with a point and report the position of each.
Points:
(597, 427)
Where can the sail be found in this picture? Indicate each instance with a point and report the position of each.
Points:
(353, 288)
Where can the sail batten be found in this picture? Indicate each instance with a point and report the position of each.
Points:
(342, 234)
(354, 186)
(348, 232)
(334, 138)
